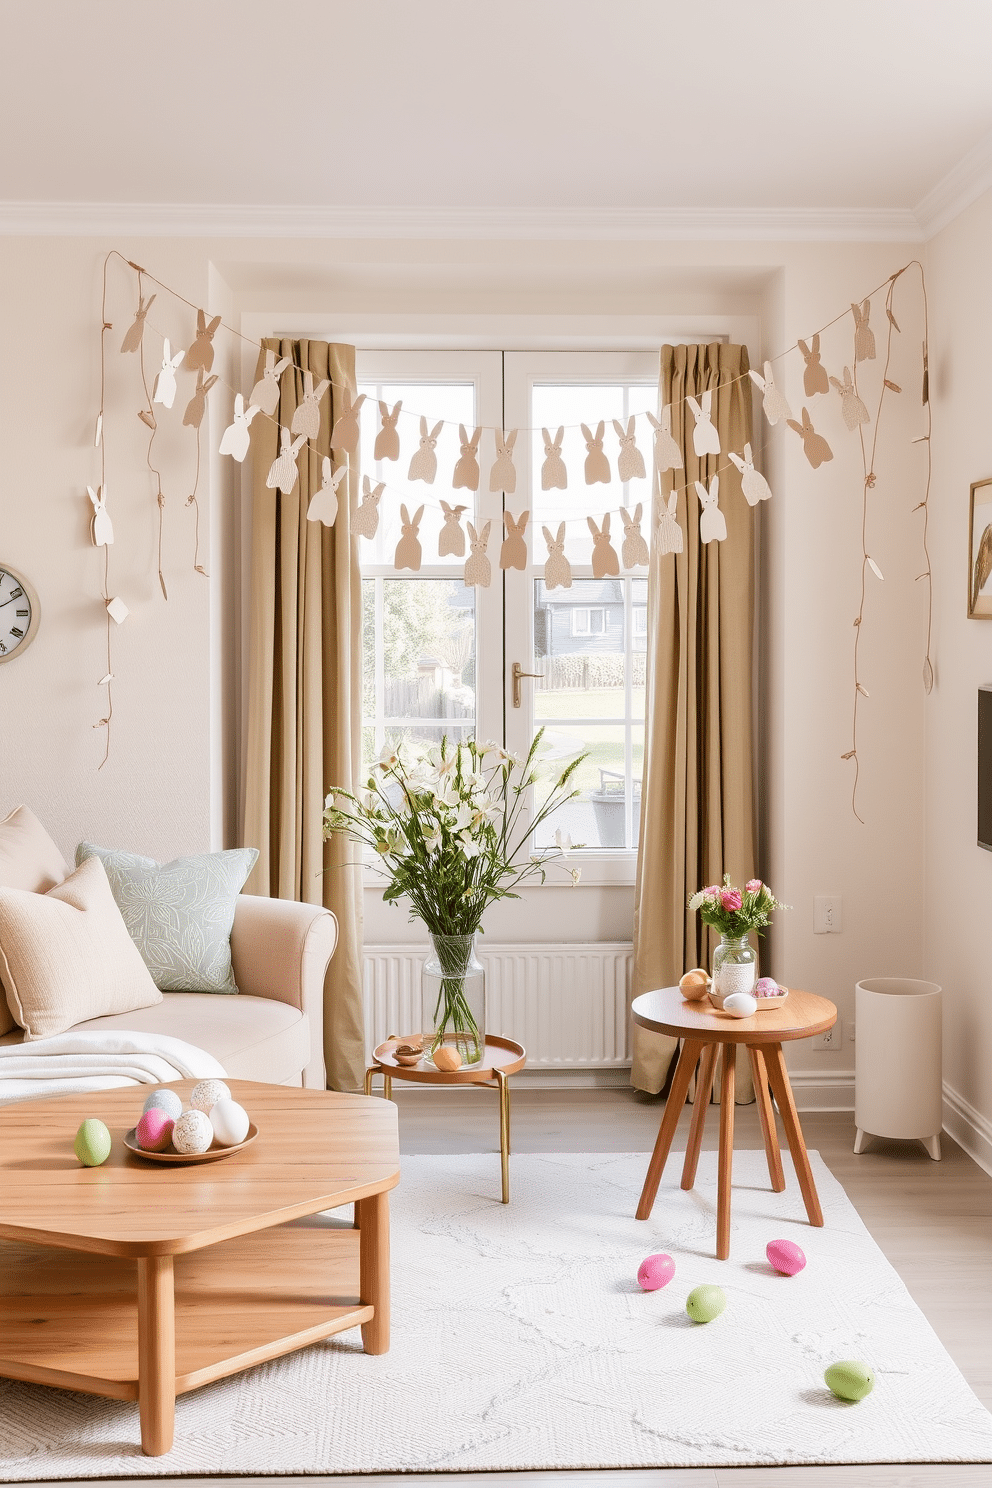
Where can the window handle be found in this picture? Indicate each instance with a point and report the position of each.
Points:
(517, 673)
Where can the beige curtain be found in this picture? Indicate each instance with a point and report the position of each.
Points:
(304, 691)
(697, 800)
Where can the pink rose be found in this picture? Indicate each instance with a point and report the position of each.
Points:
(731, 899)
(753, 885)
(713, 892)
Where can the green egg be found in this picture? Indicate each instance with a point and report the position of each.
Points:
(849, 1379)
(92, 1143)
(704, 1303)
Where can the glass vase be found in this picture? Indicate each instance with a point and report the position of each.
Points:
(735, 967)
(454, 999)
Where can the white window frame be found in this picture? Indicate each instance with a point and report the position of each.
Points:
(588, 611)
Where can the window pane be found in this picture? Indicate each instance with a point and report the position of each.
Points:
(579, 648)
(598, 818)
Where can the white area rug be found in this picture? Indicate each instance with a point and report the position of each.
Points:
(522, 1340)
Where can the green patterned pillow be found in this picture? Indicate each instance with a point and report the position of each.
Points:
(179, 914)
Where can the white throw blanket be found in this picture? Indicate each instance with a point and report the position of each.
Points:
(72, 1063)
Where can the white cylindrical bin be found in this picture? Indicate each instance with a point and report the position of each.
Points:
(897, 1063)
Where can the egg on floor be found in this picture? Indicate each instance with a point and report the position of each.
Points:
(230, 1123)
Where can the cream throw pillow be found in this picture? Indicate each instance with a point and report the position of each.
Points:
(29, 859)
(66, 956)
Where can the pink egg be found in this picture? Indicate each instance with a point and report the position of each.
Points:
(785, 1256)
(655, 1272)
(154, 1130)
(766, 987)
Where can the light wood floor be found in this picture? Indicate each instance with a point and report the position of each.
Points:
(932, 1220)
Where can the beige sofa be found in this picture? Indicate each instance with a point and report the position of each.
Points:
(272, 1030)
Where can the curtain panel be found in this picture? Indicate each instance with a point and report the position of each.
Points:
(304, 690)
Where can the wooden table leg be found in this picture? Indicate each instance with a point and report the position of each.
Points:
(782, 1091)
(767, 1117)
(704, 1085)
(691, 1050)
(156, 1354)
(373, 1221)
(726, 1151)
(504, 1131)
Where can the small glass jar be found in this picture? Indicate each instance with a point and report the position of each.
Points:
(454, 998)
(735, 967)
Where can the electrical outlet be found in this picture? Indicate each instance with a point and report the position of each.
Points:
(827, 914)
(829, 1042)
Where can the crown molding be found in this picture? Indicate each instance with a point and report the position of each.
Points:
(666, 224)
(963, 184)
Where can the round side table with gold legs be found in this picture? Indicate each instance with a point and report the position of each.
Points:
(704, 1029)
(501, 1059)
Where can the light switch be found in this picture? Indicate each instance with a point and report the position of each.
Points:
(826, 914)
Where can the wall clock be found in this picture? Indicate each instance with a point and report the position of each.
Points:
(20, 614)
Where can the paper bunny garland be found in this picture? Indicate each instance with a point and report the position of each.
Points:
(705, 439)
(554, 476)
(815, 447)
(387, 441)
(597, 469)
(635, 549)
(197, 405)
(408, 550)
(605, 563)
(503, 476)
(200, 356)
(451, 538)
(774, 402)
(668, 533)
(753, 483)
(466, 473)
(513, 553)
(101, 527)
(712, 522)
(265, 393)
(306, 418)
(815, 375)
(324, 503)
(851, 406)
(346, 432)
(283, 471)
(478, 569)
(557, 569)
(630, 464)
(236, 438)
(366, 519)
(864, 336)
(423, 466)
(165, 382)
(135, 331)
(667, 455)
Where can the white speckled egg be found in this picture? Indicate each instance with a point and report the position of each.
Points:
(740, 1005)
(230, 1122)
(164, 1100)
(206, 1095)
(192, 1132)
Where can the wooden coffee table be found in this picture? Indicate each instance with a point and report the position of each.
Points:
(704, 1029)
(140, 1280)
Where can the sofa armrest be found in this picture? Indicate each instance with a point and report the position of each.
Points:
(281, 949)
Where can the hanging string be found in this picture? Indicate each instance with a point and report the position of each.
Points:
(147, 416)
(108, 679)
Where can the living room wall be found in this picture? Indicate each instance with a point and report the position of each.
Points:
(170, 783)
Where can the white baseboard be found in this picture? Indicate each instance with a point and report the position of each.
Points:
(816, 1090)
(969, 1128)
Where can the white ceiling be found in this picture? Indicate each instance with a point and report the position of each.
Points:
(527, 106)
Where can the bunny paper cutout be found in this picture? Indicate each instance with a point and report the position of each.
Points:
(423, 466)
(366, 519)
(165, 382)
(815, 447)
(451, 538)
(851, 406)
(236, 438)
(283, 471)
(630, 464)
(554, 476)
(597, 465)
(705, 439)
(306, 419)
(557, 570)
(815, 375)
(201, 354)
(467, 469)
(408, 550)
(478, 569)
(265, 393)
(605, 563)
(324, 503)
(101, 527)
(503, 476)
(712, 523)
(864, 336)
(197, 405)
(387, 441)
(346, 432)
(753, 483)
(635, 548)
(668, 534)
(774, 402)
(667, 454)
(513, 553)
(135, 331)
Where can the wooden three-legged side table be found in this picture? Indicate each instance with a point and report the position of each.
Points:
(703, 1028)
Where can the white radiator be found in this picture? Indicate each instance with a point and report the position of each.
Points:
(567, 1004)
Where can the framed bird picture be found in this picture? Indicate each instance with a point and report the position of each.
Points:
(980, 551)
